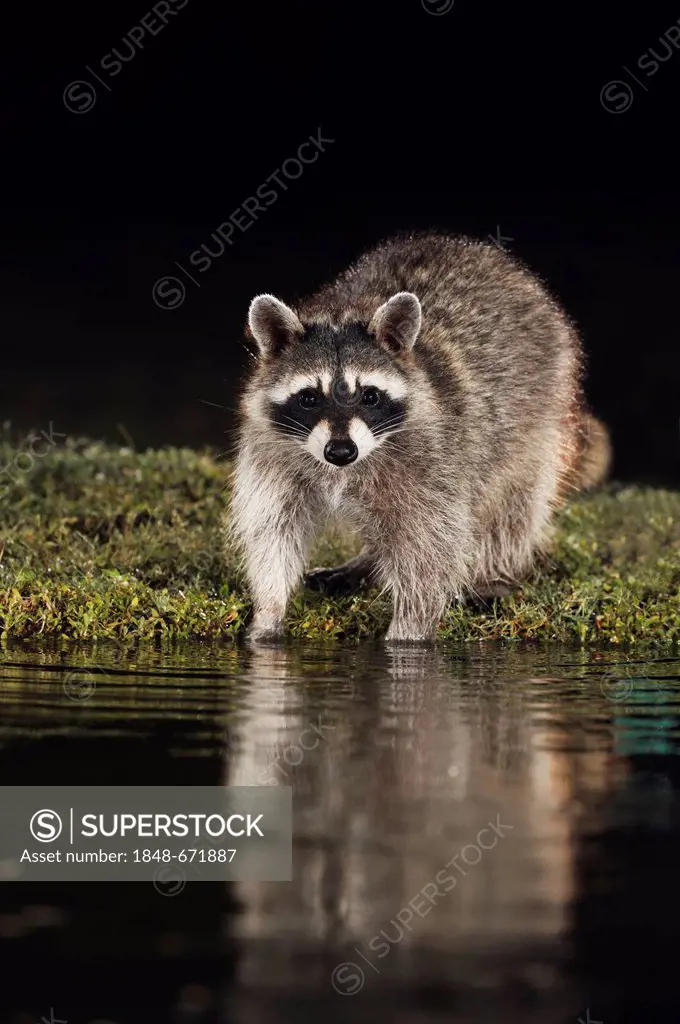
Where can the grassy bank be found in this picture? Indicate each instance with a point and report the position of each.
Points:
(100, 541)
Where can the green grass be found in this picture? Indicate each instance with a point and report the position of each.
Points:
(101, 541)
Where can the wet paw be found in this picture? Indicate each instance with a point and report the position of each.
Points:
(416, 640)
(264, 632)
(262, 637)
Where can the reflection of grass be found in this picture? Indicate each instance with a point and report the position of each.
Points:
(102, 541)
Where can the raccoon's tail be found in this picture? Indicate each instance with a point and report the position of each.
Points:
(595, 454)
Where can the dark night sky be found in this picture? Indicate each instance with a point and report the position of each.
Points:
(477, 119)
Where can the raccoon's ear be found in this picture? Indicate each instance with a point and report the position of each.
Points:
(396, 323)
(272, 324)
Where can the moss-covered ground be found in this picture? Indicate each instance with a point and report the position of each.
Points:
(101, 541)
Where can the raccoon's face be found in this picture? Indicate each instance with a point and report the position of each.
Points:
(336, 392)
(339, 418)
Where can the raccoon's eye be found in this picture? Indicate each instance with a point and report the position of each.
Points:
(371, 396)
(308, 398)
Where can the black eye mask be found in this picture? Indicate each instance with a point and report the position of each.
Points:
(300, 413)
(291, 416)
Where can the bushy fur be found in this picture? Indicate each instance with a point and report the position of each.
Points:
(458, 497)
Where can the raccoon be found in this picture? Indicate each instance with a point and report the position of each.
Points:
(430, 398)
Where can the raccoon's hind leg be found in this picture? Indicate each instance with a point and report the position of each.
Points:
(481, 596)
(345, 578)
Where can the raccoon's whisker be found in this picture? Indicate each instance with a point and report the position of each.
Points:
(385, 433)
(227, 451)
(216, 405)
(390, 428)
(283, 440)
(391, 448)
(390, 421)
(384, 438)
(395, 424)
(395, 448)
(292, 430)
(283, 428)
(249, 351)
(390, 432)
(295, 422)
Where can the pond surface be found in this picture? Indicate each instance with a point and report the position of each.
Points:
(480, 834)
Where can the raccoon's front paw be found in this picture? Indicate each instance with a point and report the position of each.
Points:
(265, 630)
(392, 637)
(401, 632)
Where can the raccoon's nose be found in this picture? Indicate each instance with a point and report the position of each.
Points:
(340, 453)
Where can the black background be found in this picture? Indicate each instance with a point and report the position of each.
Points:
(488, 117)
(484, 118)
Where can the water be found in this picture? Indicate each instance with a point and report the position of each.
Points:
(547, 779)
